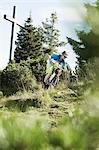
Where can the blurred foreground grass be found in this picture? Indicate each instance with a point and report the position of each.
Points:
(30, 131)
(54, 120)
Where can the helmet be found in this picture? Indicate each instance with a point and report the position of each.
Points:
(64, 54)
(53, 50)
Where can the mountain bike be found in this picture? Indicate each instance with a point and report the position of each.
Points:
(54, 78)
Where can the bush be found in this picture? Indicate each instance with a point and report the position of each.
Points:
(37, 66)
(17, 77)
(91, 78)
(93, 70)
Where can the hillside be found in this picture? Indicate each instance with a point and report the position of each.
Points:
(47, 119)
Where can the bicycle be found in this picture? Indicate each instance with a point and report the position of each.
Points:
(54, 78)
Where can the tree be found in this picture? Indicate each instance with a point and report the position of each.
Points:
(88, 45)
(29, 48)
(50, 33)
(28, 44)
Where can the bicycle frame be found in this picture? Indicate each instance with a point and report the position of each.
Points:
(53, 79)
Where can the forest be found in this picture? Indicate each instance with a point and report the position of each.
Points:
(63, 117)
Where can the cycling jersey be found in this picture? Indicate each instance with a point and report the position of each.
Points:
(58, 58)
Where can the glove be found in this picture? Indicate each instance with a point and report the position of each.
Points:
(52, 61)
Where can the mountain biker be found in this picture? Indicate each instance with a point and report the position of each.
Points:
(53, 62)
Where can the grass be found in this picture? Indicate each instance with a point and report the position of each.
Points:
(33, 131)
(49, 120)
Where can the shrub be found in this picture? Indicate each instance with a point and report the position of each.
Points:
(17, 77)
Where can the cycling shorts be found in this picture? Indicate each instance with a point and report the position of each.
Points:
(51, 66)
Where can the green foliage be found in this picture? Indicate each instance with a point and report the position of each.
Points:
(88, 75)
(87, 50)
(17, 77)
(92, 21)
(80, 129)
(28, 42)
(50, 33)
(88, 46)
(80, 132)
(29, 48)
(16, 134)
(25, 100)
(37, 66)
(92, 76)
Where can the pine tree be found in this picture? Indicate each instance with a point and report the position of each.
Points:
(29, 48)
(87, 48)
(28, 42)
(50, 33)
(88, 45)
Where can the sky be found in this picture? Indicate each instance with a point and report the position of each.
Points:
(70, 16)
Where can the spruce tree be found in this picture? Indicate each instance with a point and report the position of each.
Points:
(29, 48)
(28, 42)
(88, 45)
(50, 33)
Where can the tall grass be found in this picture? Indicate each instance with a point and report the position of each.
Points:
(22, 132)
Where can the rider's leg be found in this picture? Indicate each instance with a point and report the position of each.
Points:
(46, 77)
(49, 69)
(59, 72)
